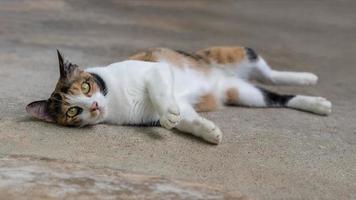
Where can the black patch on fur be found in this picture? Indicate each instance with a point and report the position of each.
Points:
(251, 54)
(273, 99)
(65, 89)
(65, 67)
(55, 105)
(207, 53)
(101, 83)
(190, 55)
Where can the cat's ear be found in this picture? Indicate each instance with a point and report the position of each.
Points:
(39, 110)
(66, 68)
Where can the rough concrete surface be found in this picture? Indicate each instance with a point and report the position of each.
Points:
(265, 153)
(26, 177)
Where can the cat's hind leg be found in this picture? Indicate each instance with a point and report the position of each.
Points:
(248, 65)
(259, 70)
(238, 92)
(198, 126)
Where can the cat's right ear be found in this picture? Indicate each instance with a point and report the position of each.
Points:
(39, 110)
(66, 68)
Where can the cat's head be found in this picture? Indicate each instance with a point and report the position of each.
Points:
(78, 99)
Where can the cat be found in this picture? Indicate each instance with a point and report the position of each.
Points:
(170, 87)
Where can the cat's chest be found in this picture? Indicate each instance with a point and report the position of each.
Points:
(127, 97)
(129, 102)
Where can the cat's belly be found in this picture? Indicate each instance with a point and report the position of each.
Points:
(190, 85)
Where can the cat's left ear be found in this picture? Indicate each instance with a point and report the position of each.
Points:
(66, 68)
(39, 110)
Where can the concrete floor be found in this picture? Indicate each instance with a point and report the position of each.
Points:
(265, 153)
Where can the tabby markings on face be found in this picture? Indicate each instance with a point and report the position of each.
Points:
(72, 97)
(78, 99)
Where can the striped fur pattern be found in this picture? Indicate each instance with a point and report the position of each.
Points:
(171, 87)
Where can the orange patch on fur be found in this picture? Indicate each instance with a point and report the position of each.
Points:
(232, 96)
(207, 103)
(175, 58)
(145, 56)
(223, 55)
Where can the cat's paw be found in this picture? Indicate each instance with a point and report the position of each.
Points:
(307, 78)
(321, 106)
(318, 105)
(171, 118)
(210, 132)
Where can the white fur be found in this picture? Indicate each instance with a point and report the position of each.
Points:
(318, 105)
(127, 99)
(145, 92)
(261, 71)
(248, 94)
(85, 103)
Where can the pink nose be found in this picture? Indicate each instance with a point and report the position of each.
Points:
(94, 106)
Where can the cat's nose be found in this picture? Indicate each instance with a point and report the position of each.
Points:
(94, 106)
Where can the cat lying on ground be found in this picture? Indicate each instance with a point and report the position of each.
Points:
(170, 87)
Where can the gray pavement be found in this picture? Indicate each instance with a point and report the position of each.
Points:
(265, 153)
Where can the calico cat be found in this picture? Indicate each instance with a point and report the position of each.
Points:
(170, 87)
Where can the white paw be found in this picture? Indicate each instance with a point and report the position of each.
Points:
(307, 78)
(171, 118)
(210, 132)
(318, 105)
(321, 106)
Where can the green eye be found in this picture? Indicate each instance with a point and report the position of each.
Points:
(85, 88)
(72, 112)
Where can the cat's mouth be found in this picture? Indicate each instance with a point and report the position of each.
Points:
(98, 113)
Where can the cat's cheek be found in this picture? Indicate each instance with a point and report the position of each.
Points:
(85, 117)
(103, 113)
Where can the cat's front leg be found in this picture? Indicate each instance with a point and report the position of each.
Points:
(159, 84)
(193, 123)
(170, 118)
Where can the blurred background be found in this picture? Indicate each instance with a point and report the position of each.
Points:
(265, 154)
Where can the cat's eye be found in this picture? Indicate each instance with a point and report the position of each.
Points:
(73, 111)
(85, 88)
